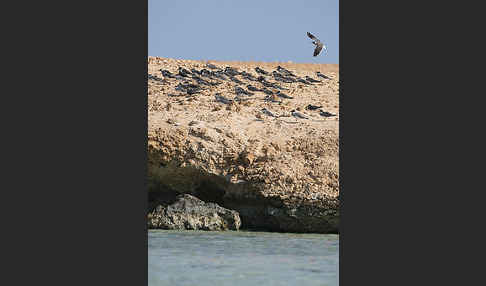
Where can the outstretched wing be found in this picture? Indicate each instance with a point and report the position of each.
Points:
(311, 36)
(318, 49)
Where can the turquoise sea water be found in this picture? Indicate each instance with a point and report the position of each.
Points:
(242, 258)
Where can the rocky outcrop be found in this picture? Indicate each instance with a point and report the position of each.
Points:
(280, 172)
(188, 212)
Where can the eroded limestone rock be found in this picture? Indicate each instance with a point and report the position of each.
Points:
(190, 213)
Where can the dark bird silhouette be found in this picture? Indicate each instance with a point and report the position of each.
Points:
(183, 72)
(166, 73)
(283, 95)
(195, 71)
(236, 80)
(312, 107)
(271, 84)
(200, 80)
(308, 78)
(260, 71)
(322, 75)
(206, 73)
(267, 91)
(239, 90)
(282, 78)
(222, 99)
(284, 71)
(279, 87)
(326, 114)
(319, 45)
(268, 84)
(154, 77)
(303, 81)
(220, 75)
(231, 71)
(188, 88)
(248, 76)
(252, 88)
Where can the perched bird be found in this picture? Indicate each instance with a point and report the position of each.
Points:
(319, 45)
(282, 78)
(308, 78)
(236, 80)
(231, 71)
(248, 76)
(214, 83)
(267, 91)
(195, 71)
(211, 66)
(322, 75)
(261, 78)
(298, 114)
(269, 84)
(184, 86)
(312, 107)
(220, 75)
(268, 112)
(279, 87)
(239, 90)
(303, 81)
(183, 72)
(188, 88)
(193, 90)
(166, 73)
(200, 80)
(284, 71)
(326, 114)
(222, 99)
(259, 70)
(205, 72)
(180, 87)
(154, 77)
(252, 88)
(283, 95)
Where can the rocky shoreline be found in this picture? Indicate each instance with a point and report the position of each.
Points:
(189, 212)
(260, 155)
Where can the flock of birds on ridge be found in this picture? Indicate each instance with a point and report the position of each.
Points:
(212, 75)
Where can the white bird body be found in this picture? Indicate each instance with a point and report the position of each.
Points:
(319, 44)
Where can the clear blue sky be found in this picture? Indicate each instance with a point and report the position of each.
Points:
(244, 30)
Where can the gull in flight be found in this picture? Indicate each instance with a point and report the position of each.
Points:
(318, 44)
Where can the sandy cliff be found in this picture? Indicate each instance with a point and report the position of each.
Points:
(248, 152)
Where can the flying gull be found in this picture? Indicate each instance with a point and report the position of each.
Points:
(318, 44)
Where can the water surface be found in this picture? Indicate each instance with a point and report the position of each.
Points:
(242, 258)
